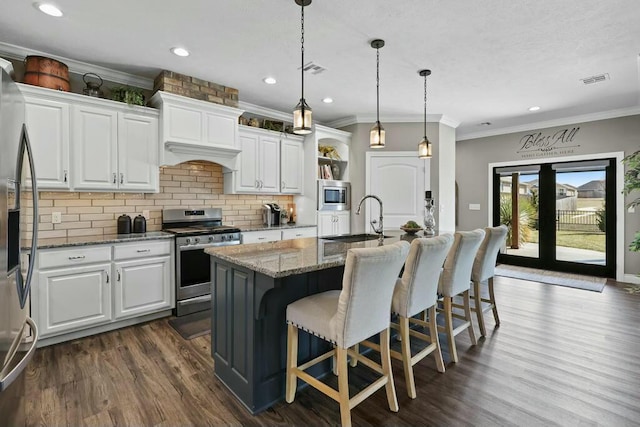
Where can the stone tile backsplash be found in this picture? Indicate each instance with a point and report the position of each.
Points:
(189, 185)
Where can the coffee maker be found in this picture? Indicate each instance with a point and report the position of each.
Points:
(271, 214)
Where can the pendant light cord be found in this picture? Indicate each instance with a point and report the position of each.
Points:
(378, 87)
(425, 106)
(302, 49)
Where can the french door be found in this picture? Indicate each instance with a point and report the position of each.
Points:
(561, 216)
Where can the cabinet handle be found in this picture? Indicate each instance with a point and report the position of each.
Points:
(118, 275)
(76, 257)
(114, 177)
(298, 235)
(121, 178)
(261, 184)
(257, 186)
(261, 238)
(284, 184)
(65, 176)
(107, 273)
(143, 250)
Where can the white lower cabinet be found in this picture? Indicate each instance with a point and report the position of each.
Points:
(100, 285)
(74, 298)
(141, 286)
(332, 223)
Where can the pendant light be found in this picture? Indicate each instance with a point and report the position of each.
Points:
(302, 113)
(424, 147)
(376, 138)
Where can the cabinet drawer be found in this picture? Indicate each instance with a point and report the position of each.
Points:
(71, 257)
(298, 233)
(261, 236)
(141, 249)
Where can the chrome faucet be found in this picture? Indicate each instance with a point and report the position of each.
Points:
(378, 230)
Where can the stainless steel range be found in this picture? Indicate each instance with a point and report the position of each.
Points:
(195, 230)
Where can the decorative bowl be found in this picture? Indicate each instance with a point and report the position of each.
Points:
(410, 231)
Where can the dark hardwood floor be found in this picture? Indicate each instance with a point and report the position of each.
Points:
(560, 357)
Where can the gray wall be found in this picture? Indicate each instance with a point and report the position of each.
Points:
(473, 157)
(399, 137)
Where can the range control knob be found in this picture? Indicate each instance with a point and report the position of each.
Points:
(188, 240)
(197, 240)
(211, 239)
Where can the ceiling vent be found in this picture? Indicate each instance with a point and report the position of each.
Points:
(313, 68)
(595, 79)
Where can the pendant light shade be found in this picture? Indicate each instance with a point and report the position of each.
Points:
(302, 120)
(376, 138)
(425, 146)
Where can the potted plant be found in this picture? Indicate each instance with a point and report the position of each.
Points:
(128, 94)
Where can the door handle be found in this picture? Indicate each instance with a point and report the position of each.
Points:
(114, 177)
(121, 178)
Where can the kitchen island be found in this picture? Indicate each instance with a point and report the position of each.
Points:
(252, 285)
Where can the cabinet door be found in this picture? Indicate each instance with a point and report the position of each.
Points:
(142, 286)
(299, 233)
(246, 178)
(137, 152)
(326, 224)
(48, 127)
(221, 129)
(261, 236)
(291, 167)
(343, 222)
(74, 298)
(269, 164)
(94, 147)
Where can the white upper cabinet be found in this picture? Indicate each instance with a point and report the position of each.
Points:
(269, 162)
(291, 166)
(48, 127)
(95, 150)
(91, 144)
(137, 152)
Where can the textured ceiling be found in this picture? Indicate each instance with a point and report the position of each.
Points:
(491, 60)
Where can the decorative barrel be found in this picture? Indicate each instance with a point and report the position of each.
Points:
(46, 72)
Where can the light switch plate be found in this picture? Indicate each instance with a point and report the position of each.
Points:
(474, 206)
(56, 217)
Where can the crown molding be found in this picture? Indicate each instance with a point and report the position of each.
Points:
(603, 115)
(409, 118)
(78, 67)
(265, 111)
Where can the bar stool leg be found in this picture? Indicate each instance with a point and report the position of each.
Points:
(433, 333)
(493, 301)
(478, 308)
(343, 386)
(354, 359)
(292, 362)
(467, 315)
(448, 326)
(406, 356)
(385, 358)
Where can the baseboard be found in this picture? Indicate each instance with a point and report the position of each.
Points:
(632, 278)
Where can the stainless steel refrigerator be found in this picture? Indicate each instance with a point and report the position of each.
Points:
(18, 237)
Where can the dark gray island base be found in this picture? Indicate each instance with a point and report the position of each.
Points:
(252, 286)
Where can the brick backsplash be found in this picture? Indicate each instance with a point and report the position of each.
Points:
(188, 185)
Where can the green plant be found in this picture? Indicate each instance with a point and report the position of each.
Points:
(601, 219)
(632, 183)
(128, 94)
(526, 218)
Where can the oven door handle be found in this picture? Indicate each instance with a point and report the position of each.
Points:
(206, 245)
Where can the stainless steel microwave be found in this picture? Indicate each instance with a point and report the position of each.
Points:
(334, 195)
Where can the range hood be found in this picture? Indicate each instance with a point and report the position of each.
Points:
(191, 129)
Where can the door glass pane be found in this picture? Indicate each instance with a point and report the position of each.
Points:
(580, 217)
(522, 239)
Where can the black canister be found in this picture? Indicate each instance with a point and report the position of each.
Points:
(140, 224)
(124, 224)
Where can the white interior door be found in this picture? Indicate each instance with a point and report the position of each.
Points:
(400, 179)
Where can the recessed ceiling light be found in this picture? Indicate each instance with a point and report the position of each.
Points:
(327, 100)
(49, 9)
(269, 80)
(536, 108)
(180, 51)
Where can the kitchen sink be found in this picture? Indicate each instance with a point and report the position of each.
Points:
(353, 238)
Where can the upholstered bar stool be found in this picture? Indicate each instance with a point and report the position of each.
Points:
(484, 268)
(415, 292)
(456, 280)
(345, 318)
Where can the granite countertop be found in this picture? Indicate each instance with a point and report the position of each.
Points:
(297, 256)
(275, 227)
(61, 242)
